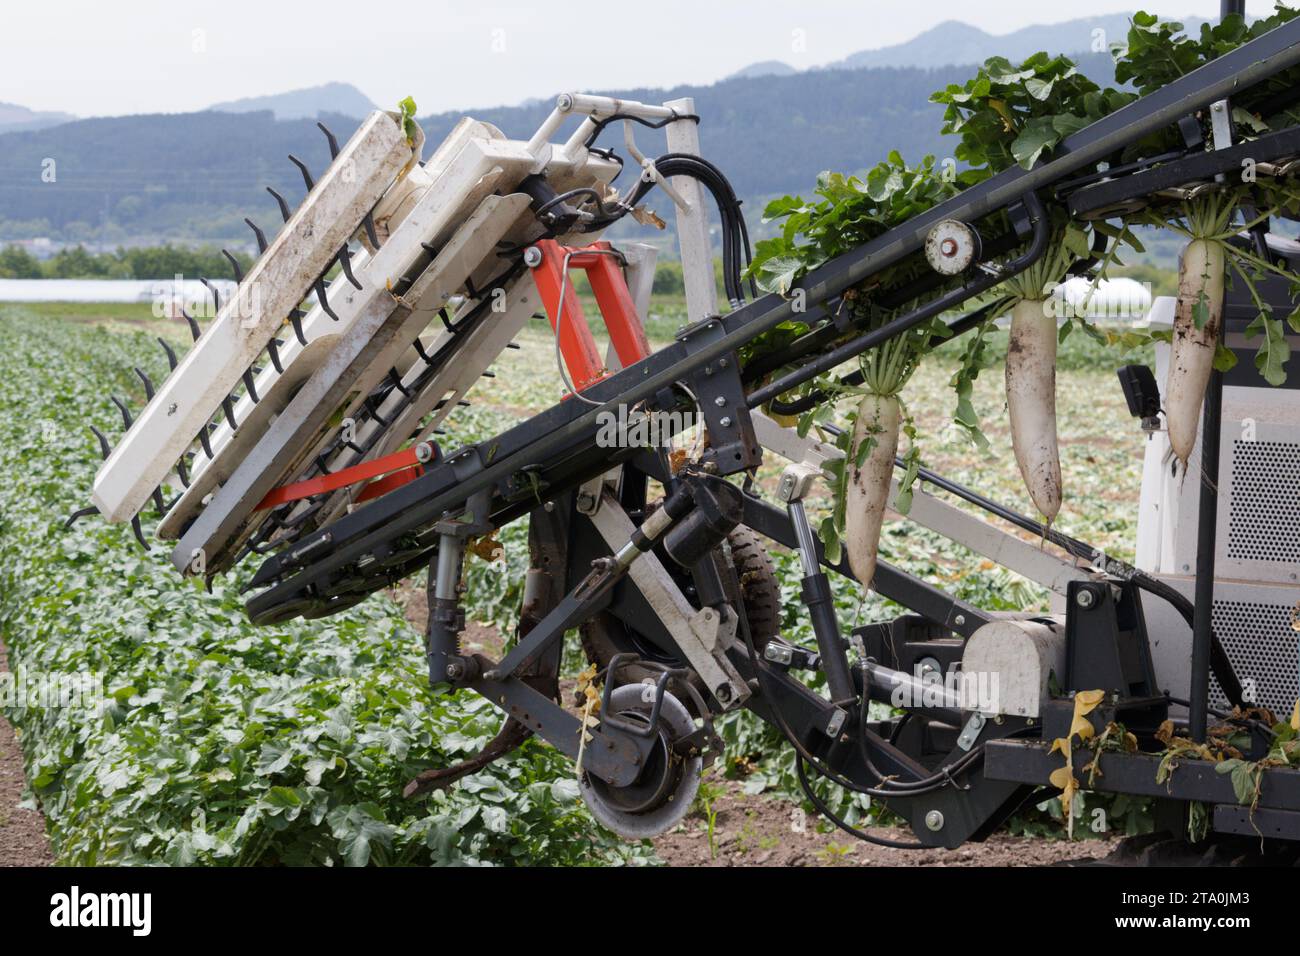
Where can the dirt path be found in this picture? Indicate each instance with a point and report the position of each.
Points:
(769, 831)
(22, 832)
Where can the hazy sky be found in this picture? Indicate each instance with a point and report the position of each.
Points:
(92, 57)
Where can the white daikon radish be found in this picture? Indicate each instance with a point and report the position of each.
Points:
(1031, 402)
(876, 429)
(1196, 337)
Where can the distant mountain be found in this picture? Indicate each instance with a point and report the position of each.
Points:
(953, 42)
(14, 117)
(342, 99)
(765, 68)
(196, 175)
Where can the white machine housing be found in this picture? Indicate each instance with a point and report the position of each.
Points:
(1257, 560)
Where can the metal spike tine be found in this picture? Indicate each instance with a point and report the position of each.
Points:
(216, 299)
(261, 236)
(203, 439)
(302, 168)
(139, 532)
(78, 515)
(248, 384)
(419, 350)
(158, 501)
(324, 302)
(183, 471)
(295, 318)
(171, 353)
(195, 331)
(273, 350)
(396, 379)
(513, 345)
(228, 407)
(333, 140)
(105, 449)
(126, 412)
(369, 223)
(345, 263)
(234, 266)
(446, 322)
(148, 385)
(284, 206)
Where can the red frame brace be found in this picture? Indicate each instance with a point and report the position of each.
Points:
(577, 345)
(397, 469)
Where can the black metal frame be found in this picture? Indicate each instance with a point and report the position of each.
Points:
(546, 457)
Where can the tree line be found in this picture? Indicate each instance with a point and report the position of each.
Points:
(142, 262)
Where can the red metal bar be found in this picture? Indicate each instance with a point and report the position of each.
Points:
(567, 320)
(397, 462)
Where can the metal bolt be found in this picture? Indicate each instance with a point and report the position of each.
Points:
(948, 247)
(1085, 598)
(934, 820)
(720, 401)
(564, 102)
(532, 257)
(959, 620)
(724, 421)
(454, 671)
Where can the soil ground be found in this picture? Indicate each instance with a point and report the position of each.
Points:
(22, 832)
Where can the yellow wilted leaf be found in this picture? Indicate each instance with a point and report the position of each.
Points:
(1295, 715)
(1089, 699)
(1165, 732)
(1080, 727)
(488, 547)
(1061, 778)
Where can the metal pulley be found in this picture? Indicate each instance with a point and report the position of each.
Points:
(665, 789)
(952, 246)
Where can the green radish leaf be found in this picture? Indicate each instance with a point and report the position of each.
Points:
(830, 540)
(407, 106)
(1201, 310)
(1038, 135)
(1293, 320)
(1076, 240)
(1225, 359)
(1273, 351)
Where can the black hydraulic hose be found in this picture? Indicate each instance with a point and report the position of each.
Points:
(839, 821)
(1221, 665)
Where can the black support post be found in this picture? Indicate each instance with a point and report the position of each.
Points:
(1207, 518)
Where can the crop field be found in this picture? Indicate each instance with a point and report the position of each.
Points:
(216, 742)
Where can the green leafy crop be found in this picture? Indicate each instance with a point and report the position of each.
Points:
(216, 742)
(1008, 114)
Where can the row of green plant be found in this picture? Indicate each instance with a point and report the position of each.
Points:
(217, 742)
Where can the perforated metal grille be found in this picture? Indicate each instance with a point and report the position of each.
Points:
(1263, 647)
(1264, 513)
